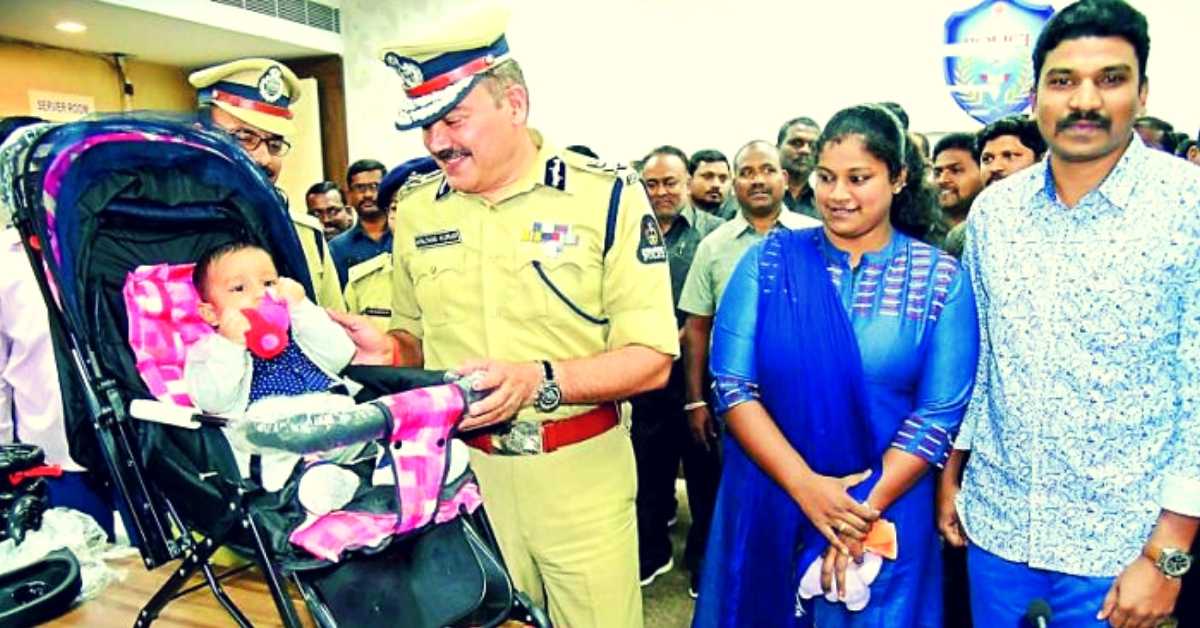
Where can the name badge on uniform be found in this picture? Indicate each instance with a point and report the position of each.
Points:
(440, 238)
(554, 238)
(651, 249)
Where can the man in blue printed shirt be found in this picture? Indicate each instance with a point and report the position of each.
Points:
(1083, 482)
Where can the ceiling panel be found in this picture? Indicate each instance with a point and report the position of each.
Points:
(144, 35)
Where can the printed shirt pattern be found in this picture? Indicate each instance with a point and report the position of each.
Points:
(1083, 421)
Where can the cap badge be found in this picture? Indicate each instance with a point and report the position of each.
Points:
(270, 84)
(409, 70)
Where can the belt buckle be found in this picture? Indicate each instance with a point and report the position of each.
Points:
(522, 438)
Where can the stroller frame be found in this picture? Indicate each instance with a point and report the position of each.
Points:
(160, 531)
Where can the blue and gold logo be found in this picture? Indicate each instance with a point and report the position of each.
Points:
(989, 48)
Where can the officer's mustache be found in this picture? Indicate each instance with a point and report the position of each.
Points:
(1084, 116)
(451, 153)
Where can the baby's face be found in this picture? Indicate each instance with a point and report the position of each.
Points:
(240, 280)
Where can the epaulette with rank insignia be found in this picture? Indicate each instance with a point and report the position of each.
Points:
(620, 175)
(616, 170)
(417, 180)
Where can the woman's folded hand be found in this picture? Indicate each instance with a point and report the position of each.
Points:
(828, 505)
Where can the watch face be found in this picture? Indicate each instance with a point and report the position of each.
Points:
(549, 397)
(1176, 564)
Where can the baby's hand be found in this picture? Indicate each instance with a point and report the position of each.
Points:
(233, 326)
(291, 291)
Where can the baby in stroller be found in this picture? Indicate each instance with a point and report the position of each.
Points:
(114, 212)
(275, 354)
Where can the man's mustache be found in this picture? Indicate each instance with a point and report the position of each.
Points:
(451, 153)
(1085, 116)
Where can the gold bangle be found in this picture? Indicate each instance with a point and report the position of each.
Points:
(692, 405)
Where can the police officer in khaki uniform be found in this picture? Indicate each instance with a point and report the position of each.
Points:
(250, 100)
(369, 284)
(547, 272)
(369, 290)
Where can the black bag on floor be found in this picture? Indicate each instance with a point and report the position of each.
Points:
(40, 591)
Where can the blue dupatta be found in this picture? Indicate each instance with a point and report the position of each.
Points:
(810, 374)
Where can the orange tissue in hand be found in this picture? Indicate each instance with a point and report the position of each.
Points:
(881, 540)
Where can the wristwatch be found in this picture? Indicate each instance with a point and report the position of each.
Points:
(1172, 562)
(549, 394)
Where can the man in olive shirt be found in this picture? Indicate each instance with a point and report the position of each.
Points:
(546, 272)
(759, 184)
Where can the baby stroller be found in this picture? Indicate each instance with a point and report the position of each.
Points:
(95, 201)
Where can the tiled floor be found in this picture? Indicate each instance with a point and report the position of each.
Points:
(666, 603)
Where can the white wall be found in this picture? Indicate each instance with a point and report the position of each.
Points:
(623, 76)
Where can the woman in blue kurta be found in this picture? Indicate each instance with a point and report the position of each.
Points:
(843, 359)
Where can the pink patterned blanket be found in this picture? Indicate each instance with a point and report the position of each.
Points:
(164, 323)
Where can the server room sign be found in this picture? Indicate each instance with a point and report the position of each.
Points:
(60, 107)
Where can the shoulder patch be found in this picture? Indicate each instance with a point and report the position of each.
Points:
(651, 249)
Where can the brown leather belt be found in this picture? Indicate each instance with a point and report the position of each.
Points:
(527, 438)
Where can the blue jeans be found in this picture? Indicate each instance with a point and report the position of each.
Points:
(1001, 592)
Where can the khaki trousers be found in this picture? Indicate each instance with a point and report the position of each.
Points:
(568, 530)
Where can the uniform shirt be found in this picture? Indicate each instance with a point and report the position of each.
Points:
(469, 273)
(682, 240)
(326, 285)
(30, 397)
(355, 247)
(719, 254)
(369, 290)
(1084, 423)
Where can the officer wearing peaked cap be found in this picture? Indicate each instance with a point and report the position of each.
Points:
(251, 99)
(369, 283)
(546, 272)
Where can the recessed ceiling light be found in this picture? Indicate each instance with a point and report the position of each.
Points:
(70, 27)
